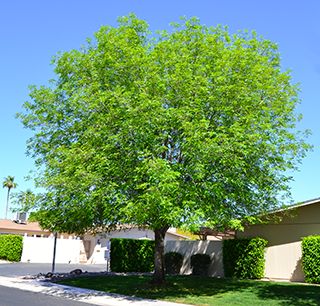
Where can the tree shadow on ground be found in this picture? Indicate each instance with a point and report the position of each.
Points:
(281, 293)
(290, 294)
(178, 287)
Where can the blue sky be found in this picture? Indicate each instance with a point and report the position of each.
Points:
(33, 31)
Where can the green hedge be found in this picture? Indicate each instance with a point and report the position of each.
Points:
(11, 247)
(244, 258)
(200, 264)
(173, 262)
(131, 255)
(311, 258)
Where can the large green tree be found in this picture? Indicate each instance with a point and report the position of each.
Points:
(189, 127)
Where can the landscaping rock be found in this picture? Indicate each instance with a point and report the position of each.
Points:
(76, 272)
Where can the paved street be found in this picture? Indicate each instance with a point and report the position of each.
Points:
(16, 297)
(23, 269)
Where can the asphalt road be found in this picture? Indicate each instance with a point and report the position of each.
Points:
(16, 297)
(24, 269)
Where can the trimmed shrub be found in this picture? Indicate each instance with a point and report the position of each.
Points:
(200, 264)
(311, 258)
(244, 258)
(173, 262)
(131, 255)
(11, 247)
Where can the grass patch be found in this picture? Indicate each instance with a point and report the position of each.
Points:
(204, 291)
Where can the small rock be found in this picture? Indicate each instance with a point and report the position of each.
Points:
(76, 272)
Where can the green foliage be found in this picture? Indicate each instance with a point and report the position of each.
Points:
(33, 216)
(9, 183)
(244, 258)
(131, 255)
(311, 258)
(192, 127)
(200, 264)
(11, 247)
(195, 126)
(173, 262)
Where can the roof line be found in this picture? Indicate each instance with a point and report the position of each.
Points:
(296, 205)
(304, 203)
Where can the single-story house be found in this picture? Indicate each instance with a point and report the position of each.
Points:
(22, 228)
(96, 247)
(206, 233)
(283, 253)
(38, 243)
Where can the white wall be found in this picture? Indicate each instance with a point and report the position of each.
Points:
(188, 248)
(40, 250)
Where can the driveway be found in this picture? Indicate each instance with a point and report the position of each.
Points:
(24, 269)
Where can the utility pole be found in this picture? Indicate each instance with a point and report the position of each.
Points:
(55, 242)
(54, 252)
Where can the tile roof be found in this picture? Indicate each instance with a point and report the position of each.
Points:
(11, 225)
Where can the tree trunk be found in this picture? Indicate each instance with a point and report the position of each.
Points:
(159, 271)
(7, 206)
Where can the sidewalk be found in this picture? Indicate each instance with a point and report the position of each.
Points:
(82, 295)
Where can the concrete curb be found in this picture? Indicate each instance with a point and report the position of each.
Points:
(79, 294)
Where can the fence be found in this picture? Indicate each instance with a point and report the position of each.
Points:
(40, 249)
(188, 248)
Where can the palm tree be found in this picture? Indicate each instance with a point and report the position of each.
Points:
(24, 200)
(8, 183)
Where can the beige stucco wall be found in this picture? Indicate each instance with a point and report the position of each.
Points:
(283, 254)
(188, 248)
(284, 262)
(296, 224)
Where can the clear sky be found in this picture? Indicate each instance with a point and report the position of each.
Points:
(33, 31)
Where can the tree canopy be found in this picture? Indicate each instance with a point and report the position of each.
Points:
(189, 127)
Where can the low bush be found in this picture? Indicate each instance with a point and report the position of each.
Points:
(173, 262)
(244, 258)
(200, 264)
(11, 247)
(311, 258)
(131, 255)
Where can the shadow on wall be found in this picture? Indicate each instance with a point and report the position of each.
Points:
(297, 274)
(189, 248)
